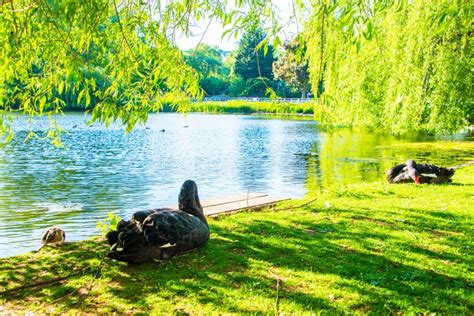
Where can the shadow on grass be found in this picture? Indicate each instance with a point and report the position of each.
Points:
(248, 262)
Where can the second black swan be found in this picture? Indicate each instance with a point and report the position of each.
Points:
(410, 171)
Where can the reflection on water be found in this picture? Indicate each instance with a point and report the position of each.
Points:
(102, 170)
(348, 156)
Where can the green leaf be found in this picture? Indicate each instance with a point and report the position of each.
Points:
(42, 103)
(88, 99)
(80, 96)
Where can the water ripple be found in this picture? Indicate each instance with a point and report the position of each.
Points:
(102, 170)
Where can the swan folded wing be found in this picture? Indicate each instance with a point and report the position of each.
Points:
(169, 229)
(402, 177)
(436, 170)
(435, 174)
(140, 216)
(395, 171)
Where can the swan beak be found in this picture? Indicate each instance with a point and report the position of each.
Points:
(417, 180)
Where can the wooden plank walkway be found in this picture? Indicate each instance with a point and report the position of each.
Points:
(244, 202)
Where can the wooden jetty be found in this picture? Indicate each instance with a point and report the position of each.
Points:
(238, 203)
(244, 202)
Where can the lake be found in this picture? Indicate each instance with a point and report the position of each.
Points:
(101, 170)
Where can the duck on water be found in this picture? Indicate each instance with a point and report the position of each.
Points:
(161, 233)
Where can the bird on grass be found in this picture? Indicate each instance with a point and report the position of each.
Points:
(410, 171)
(161, 233)
(54, 236)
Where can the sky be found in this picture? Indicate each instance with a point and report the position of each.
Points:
(213, 35)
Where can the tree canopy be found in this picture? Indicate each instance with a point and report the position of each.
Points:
(114, 58)
(396, 64)
(214, 74)
(292, 67)
(399, 65)
(207, 60)
(251, 62)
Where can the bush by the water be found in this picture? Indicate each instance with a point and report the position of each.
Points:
(248, 107)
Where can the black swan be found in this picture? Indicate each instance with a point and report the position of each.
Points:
(54, 235)
(410, 171)
(161, 233)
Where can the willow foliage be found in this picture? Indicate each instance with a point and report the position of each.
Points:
(116, 58)
(402, 65)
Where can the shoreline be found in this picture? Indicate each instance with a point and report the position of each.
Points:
(340, 253)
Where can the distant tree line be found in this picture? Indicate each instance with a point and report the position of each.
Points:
(252, 70)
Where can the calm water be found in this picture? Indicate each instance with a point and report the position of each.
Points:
(102, 170)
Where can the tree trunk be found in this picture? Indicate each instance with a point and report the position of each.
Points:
(303, 93)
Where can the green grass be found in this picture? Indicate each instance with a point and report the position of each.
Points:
(248, 107)
(364, 248)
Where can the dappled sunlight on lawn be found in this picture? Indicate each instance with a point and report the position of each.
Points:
(392, 249)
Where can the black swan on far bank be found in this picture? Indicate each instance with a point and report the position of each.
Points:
(410, 171)
(161, 233)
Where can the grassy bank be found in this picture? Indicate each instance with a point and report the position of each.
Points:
(247, 107)
(360, 248)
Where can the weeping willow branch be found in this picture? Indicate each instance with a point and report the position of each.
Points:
(122, 30)
(259, 69)
(202, 37)
(55, 24)
(323, 16)
(295, 16)
(187, 14)
(28, 7)
(2, 2)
